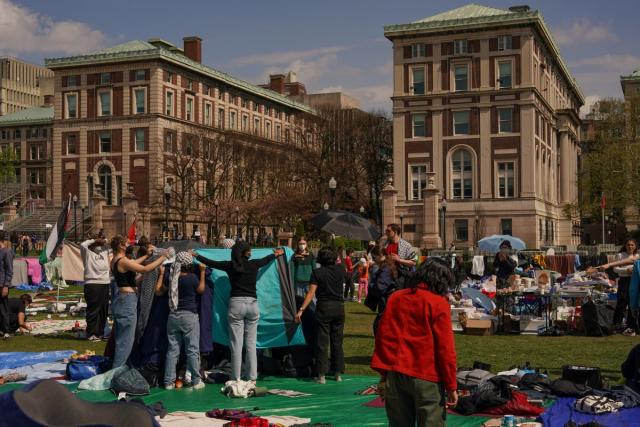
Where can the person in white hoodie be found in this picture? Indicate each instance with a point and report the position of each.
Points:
(97, 279)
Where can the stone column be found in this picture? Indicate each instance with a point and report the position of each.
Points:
(566, 168)
(97, 204)
(389, 204)
(431, 220)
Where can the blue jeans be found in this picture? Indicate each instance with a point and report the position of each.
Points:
(183, 329)
(243, 318)
(125, 316)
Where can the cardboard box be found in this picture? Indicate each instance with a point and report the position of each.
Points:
(478, 327)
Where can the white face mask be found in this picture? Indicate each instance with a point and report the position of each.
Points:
(302, 246)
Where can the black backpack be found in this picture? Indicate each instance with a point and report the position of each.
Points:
(130, 382)
(598, 319)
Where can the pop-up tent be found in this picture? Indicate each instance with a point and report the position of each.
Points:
(276, 300)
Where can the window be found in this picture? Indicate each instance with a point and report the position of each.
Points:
(188, 146)
(207, 114)
(256, 106)
(140, 75)
(256, 126)
(418, 181)
(207, 90)
(278, 133)
(106, 183)
(140, 96)
(36, 176)
(105, 78)
(169, 139)
(104, 104)
(506, 179)
(72, 81)
(245, 123)
(71, 145)
(504, 76)
(33, 132)
(18, 134)
(267, 130)
(189, 112)
(505, 121)
(460, 47)
(169, 77)
(220, 95)
(506, 226)
(221, 117)
(504, 42)
(71, 106)
(417, 75)
(461, 230)
(462, 174)
(33, 152)
(418, 125)
(169, 103)
(232, 120)
(418, 50)
(461, 123)
(190, 84)
(139, 142)
(243, 102)
(105, 142)
(461, 74)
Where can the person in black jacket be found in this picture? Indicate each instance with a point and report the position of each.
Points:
(631, 369)
(243, 312)
(6, 274)
(504, 265)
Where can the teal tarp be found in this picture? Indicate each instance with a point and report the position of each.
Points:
(272, 301)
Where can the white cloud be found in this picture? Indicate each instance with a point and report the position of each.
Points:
(589, 102)
(623, 63)
(278, 58)
(26, 31)
(584, 31)
(374, 97)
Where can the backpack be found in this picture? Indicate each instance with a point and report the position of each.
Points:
(130, 382)
(598, 319)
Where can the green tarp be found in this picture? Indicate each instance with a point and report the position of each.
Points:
(333, 402)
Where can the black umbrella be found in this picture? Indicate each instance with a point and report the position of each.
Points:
(182, 245)
(346, 224)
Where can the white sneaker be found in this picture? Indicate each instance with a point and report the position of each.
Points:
(321, 380)
(6, 336)
(198, 385)
(169, 387)
(338, 378)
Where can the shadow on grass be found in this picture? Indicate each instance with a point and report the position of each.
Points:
(358, 360)
(358, 336)
(366, 314)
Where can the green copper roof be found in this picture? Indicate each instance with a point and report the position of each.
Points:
(476, 17)
(633, 76)
(140, 50)
(29, 116)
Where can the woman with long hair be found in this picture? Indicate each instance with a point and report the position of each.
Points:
(125, 304)
(629, 250)
(243, 313)
(326, 285)
(415, 350)
(382, 280)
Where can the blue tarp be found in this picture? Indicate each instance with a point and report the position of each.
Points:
(273, 329)
(12, 360)
(562, 411)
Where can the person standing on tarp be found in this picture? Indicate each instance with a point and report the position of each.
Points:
(6, 274)
(326, 285)
(243, 313)
(303, 265)
(97, 278)
(417, 363)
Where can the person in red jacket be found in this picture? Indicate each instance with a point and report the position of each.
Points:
(415, 350)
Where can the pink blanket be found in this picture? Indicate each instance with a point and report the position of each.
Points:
(34, 270)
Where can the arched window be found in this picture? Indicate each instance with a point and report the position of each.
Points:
(462, 174)
(106, 183)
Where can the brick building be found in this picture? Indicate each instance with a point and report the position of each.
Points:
(119, 113)
(485, 118)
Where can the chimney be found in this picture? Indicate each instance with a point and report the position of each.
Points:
(520, 8)
(276, 83)
(193, 48)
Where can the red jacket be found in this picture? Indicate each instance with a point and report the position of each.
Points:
(415, 337)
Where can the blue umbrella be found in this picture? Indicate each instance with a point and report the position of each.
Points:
(492, 243)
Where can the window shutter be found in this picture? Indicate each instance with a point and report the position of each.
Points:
(132, 75)
(146, 139)
(64, 81)
(184, 106)
(91, 103)
(516, 118)
(116, 140)
(493, 44)
(428, 50)
(132, 140)
(147, 74)
(474, 121)
(494, 120)
(428, 124)
(430, 76)
(91, 136)
(517, 70)
(117, 101)
(406, 79)
(408, 131)
(515, 42)
(492, 72)
(407, 52)
(196, 109)
(444, 71)
(475, 73)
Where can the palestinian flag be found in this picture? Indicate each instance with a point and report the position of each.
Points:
(131, 235)
(59, 231)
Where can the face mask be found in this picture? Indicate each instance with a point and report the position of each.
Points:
(302, 247)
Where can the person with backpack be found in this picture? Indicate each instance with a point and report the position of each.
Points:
(382, 282)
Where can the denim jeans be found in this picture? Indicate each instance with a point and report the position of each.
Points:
(243, 318)
(183, 329)
(125, 316)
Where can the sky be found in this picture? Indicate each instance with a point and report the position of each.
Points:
(332, 45)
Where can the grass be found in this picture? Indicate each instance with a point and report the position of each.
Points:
(501, 352)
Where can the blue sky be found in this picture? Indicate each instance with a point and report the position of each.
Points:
(333, 45)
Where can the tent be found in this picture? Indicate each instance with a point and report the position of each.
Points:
(276, 327)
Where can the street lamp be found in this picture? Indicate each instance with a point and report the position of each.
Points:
(167, 199)
(82, 209)
(332, 189)
(362, 210)
(216, 203)
(401, 223)
(325, 206)
(238, 234)
(75, 217)
(444, 222)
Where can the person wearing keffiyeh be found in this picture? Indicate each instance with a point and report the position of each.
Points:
(183, 326)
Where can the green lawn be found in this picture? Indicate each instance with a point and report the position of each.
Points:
(501, 352)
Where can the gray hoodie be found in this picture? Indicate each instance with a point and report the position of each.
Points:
(96, 264)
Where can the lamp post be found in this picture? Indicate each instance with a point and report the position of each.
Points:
(75, 217)
(401, 224)
(332, 189)
(325, 206)
(238, 234)
(82, 209)
(606, 221)
(124, 226)
(216, 203)
(476, 232)
(362, 210)
(167, 199)
(444, 223)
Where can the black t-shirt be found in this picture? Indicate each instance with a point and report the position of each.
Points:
(243, 283)
(330, 280)
(187, 286)
(16, 306)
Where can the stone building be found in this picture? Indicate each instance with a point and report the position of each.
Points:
(486, 109)
(122, 112)
(23, 85)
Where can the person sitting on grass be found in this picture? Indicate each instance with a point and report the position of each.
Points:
(17, 314)
(183, 325)
(415, 350)
(326, 285)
